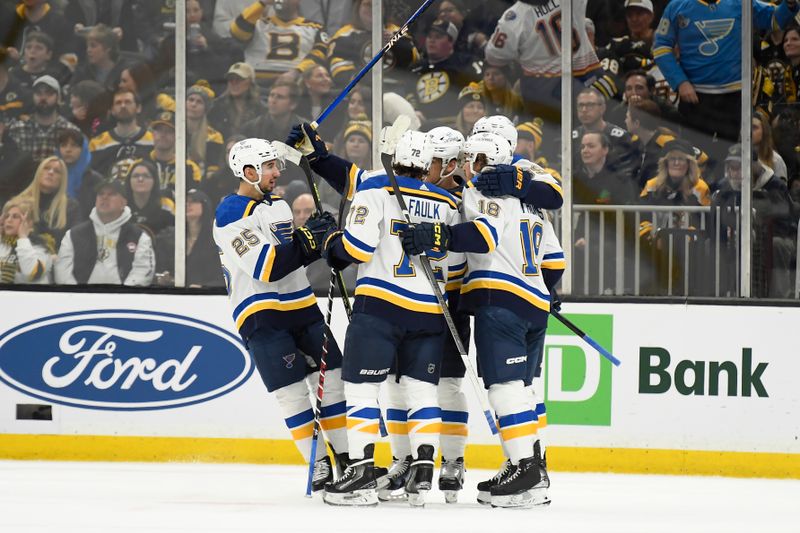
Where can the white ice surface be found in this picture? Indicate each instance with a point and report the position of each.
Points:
(60, 497)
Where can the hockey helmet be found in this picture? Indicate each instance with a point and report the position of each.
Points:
(252, 152)
(492, 145)
(413, 151)
(500, 125)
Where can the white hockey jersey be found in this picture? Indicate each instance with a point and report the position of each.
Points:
(511, 275)
(275, 46)
(389, 284)
(531, 35)
(264, 287)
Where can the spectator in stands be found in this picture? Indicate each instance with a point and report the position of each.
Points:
(283, 43)
(73, 149)
(498, 86)
(470, 40)
(595, 182)
(239, 103)
(37, 60)
(53, 211)
(140, 79)
(16, 166)
(222, 182)
(529, 139)
(89, 105)
(118, 15)
(791, 77)
(775, 223)
(347, 50)
(763, 143)
(280, 115)
(639, 19)
(148, 208)
(103, 63)
(354, 145)
(207, 55)
(25, 257)
(640, 86)
(114, 150)
(42, 16)
(204, 145)
(202, 256)
(678, 181)
(13, 100)
(440, 76)
(359, 103)
(163, 155)
(316, 95)
(473, 107)
(707, 74)
(624, 157)
(109, 248)
(302, 209)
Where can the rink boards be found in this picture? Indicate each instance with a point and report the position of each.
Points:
(701, 389)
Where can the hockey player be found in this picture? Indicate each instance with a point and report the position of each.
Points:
(508, 292)
(263, 258)
(395, 317)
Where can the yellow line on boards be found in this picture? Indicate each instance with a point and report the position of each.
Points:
(279, 451)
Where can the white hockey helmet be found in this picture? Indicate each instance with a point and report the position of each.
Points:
(252, 152)
(446, 143)
(500, 125)
(413, 151)
(492, 145)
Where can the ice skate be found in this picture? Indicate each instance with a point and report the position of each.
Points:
(451, 478)
(484, 496)
(357, 485)
(523, 489)
(323, 473)
(392, 486)
(420, 477)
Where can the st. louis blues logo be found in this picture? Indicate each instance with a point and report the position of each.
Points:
(289, 360)
(283, 231)
(713, 31)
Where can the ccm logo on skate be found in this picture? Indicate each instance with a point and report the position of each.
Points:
(515, 360)
(122, 360)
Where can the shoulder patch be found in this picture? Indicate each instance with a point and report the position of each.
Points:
(510, 15)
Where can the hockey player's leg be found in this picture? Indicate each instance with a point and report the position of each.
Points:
(424, 424)
(357, 485)
(282, 369)
(392, 485)
(453, 438)
(535, 358)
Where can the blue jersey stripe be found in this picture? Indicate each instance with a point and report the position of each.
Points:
(429, 298)
(488, 274)
(396, 415)
(299, 419)
(333, 410)
(271, 296)
(425, 413)
(460, 417)
(517, 418)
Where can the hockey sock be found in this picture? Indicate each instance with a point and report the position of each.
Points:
(396, 419)
(299, 416)
(454, 418)
(333, 418)
(424, 415)
(516, 419)
(362, 416)
(537, 404)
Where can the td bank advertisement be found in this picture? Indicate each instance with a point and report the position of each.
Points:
(705, 378)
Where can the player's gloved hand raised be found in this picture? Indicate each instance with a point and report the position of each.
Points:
(311, 236)
(555, 302)
(418, 238)
(332, 238)
(305, 138)
(504, 180)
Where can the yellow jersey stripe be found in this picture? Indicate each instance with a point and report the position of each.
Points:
(499, 285)
(396, 299)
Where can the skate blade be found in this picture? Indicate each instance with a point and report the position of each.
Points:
(523, 500)
(451, 496)
(484, 497)
(418, 499)
(388, 495)
(358, 498)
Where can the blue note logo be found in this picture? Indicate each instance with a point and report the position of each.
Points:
(122, 360)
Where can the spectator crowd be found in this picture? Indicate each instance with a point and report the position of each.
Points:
(87, 118)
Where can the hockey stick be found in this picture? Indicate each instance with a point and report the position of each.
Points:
(580, 333)
(391, 42)
(386, 159)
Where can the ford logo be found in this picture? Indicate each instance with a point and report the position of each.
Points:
(122, 360)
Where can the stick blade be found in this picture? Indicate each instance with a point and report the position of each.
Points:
(390, 135)
(287, 153)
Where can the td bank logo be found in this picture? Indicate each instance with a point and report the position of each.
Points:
(577, 379)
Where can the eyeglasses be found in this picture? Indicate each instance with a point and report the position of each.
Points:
(588, 105)
(141, 176)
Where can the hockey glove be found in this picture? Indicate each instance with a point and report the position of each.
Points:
(330, 240)
(417, 238)
(311, 236)
(555, 301)
(504, 180)
(306, 139)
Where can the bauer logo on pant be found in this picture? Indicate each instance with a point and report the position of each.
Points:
(122, 360)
